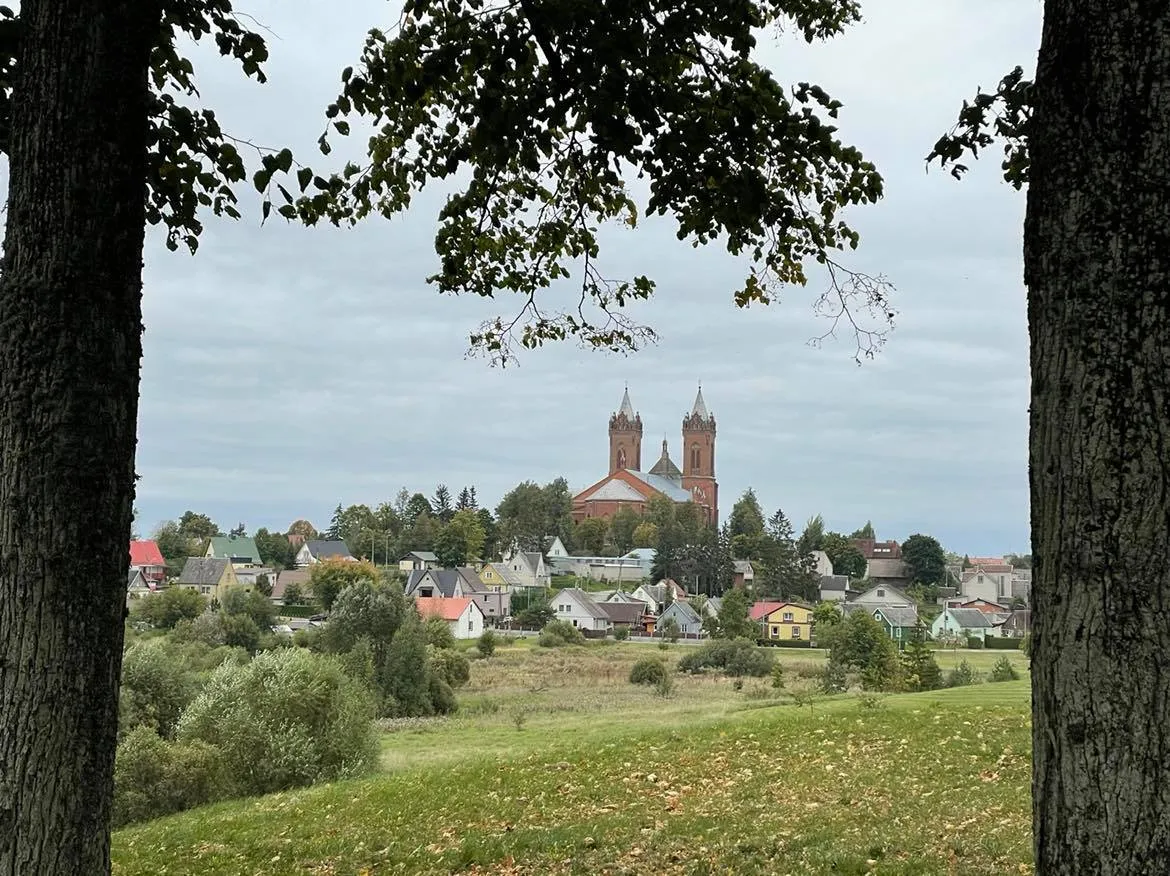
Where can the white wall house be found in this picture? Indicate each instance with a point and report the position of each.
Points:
(463, 616)
(578, 608)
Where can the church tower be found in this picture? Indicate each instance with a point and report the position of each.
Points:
(698, 447)
(625, 438)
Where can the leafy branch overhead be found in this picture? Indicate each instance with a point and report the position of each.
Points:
(1000, 115)
(541, 110)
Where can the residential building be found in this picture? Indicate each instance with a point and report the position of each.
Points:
(658, 596)
(743, 575)
(822, 565)
(462, 615)
(760, 610)
(989, 580)
(1016, 625)
(211, 576)
(899, 622)
(284, 577)
(883, 561)
(628, 486)
(316, 549)
(685, 617)
(576, 606)
(147, 558)
(249, 576)
(555, 548)
(629, 615)
(788, 622)
(528, 567)
(418, 560)
(137, 586)
(448, 583)
(240, 550)
(961, 623)
(836, 588)
(712, 605)
(499, 575)
(882, 594)
(630, 568)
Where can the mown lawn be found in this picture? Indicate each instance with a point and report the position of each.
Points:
(709, 780)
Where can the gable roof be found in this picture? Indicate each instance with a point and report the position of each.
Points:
(586, 602)
(624, 612)
(1020, 619)
(835, 582)
(887, 587)
(743, 567)
(508, 575)
(445, 581)
(284, 577)
(898, 616)
(970, 618)
(665, 466)
(425, 556)
(146, 553)
(323, 549)
(203, 570)
(230, 546)
(615, 490)
(135, 577)
(685, 613)
(761, 610)
(446, 608)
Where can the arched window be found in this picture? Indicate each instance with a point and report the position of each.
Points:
(694, 457)
(621, 457)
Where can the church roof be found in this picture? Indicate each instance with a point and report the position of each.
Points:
(626, 408)
(700, 408)
(663, 485)
(665, 467)
(616, 490)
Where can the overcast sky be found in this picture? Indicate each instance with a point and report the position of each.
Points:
(287, 370)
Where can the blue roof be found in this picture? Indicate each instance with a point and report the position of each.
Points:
(663, 485)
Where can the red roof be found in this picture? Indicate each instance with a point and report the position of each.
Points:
(146, 553)
(448, 609)
(761, 610)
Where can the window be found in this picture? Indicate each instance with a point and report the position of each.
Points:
(695, 457)
(470, 624)
(787, 617)
(796, 632)
(897, 632)
(775, 632)
(881, 593)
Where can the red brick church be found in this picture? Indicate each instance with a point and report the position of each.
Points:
(627, 485)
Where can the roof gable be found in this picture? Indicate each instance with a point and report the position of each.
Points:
(231, 546)
(204, 570)
(584, 601)
(447, 608)
(323, 549)
(146, 553)
(761, 610)
(682, 612)
(897, 616)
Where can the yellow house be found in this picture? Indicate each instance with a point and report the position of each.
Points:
(211, 576)
(498, 576)
(789, 621)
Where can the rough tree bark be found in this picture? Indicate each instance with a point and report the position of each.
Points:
(70, 344)
(1097, 267)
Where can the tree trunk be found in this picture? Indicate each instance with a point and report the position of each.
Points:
(1097, 266)
(70, 344)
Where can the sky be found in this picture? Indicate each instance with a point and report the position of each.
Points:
(287, 370)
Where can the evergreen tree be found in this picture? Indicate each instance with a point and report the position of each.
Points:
(333, 533)
(813, 536)
(441, 504)
(745, 526)
(464, 500)
(735, 616)
(405, 677)
(866, 532)
(919, 669)
(417, 504)
(785, 572)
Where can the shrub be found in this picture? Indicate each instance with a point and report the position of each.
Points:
(735, 657)
(648, 670)
(962, 675)
(975, 643)
(451, 666)
(156, 686)
(486, 644)
(560, 632)
(167, 607)
(778, 676)
(1003, 670)
(665, 685)
(861, 645)
(439, 633)
(621, 633)
(670, 630)
(1026, 644)
(240, 631)
(285, 719)
(154, 777)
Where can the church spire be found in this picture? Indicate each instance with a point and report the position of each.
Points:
(626, 408)
(700, 407)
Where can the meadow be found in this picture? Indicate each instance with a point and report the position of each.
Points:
(555, 763)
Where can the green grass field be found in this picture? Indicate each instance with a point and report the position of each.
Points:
(556, 764)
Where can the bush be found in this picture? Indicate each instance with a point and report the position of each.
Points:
(560, 632)
(648, 670)
(962, 675)
(1002, 643)
(735, 657)
(156, 686)
(453, 667)
(1026, 644)
(621, 633)
(486, 644)
(167, 607)
(664, 686)
(778, 676)
(975, 643)
(1003, 670)
(207, 629)
(439, 633)
(154, 777)
(285, 719)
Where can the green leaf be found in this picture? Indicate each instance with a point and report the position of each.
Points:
(304, 177)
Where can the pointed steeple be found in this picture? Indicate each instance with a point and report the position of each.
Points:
(626, 408)
(700, 408)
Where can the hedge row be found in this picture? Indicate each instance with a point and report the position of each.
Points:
(1002, 644)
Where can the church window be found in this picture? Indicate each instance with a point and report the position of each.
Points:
(695, 456)
(621, 457)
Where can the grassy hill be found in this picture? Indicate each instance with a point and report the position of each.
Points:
(557, 765)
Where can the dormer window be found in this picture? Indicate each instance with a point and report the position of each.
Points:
(881, 593)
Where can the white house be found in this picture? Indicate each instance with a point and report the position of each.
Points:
(655, 595)
(416, 560)
(822, 565)
(884, 595)
(316, 550)
(578, 608)
(555, 548)
(528, 567)
(990, 581)
(463, 616)
(686, 619)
